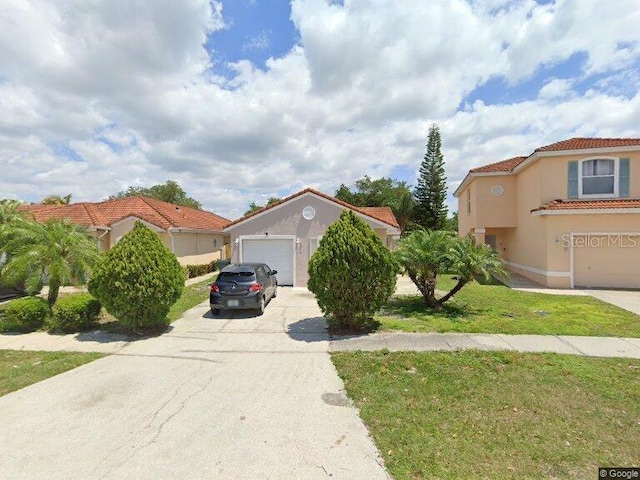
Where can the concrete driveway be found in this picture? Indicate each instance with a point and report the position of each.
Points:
(229, 397)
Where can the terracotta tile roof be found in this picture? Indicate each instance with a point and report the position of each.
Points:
(589, 204)
(104, 214)
(382, 214)
(503, 166)
(586, 143)
(79, 213)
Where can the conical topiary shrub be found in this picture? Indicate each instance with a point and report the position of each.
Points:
(352, 274)
(138, 280)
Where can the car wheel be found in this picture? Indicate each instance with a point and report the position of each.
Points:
(275, 292)
(216, 311)
(261, 307)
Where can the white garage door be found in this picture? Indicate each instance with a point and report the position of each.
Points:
(607, 261)
(277, 253)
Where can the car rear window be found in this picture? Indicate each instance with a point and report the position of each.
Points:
(235, 276)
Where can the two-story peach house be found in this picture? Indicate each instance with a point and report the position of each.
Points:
(566, 216)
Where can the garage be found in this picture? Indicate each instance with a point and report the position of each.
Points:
(278, 253)
(606, 260)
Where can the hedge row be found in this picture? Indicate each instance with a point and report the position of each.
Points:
(72, 313)
(199, 270)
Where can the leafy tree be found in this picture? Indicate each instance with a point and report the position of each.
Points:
(56, 250)
(383, 192)
(56, 200)
(431, 191)
(452, 223)
(468, 259)
(352, 274)
(426, 253)
(170, 192)
(254, 207)
(138, 280)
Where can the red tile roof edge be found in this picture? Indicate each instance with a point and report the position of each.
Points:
(502, 166)
(589, 204)
(576, 143)
(326, 197)
(97, 218)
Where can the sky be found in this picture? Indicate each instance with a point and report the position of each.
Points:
(241, 100)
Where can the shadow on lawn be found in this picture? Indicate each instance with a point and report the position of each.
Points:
(413, 306)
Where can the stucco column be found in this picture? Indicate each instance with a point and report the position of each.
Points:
(479, 233)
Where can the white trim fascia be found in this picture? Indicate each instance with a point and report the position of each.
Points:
(293, 238)
(587, 211)
(545, 273)
(392, 230)
(195, 230)
(94, 228)
(146, 223)
(470, 176)
(585, 151)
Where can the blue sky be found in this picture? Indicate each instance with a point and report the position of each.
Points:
(242, 100)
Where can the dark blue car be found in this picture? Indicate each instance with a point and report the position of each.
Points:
(243, 286)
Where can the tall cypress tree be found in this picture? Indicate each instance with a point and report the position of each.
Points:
(431, 192)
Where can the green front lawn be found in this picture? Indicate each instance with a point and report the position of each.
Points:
(496, 415)
(498, 309)
(21, 368)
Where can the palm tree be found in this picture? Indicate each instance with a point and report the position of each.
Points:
(56, 250)
(9, 211)
(422, 255)
(468, 259)
(403, 210)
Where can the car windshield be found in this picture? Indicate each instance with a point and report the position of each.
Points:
(235, 276)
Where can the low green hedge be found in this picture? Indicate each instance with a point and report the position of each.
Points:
(74, 313)
(24, 315)
(199, 270)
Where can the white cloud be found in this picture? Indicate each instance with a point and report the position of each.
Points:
(127, 86)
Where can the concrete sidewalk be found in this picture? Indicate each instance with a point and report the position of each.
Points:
(423, 342)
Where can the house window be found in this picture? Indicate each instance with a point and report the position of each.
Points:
(598, 177)
(469, 201)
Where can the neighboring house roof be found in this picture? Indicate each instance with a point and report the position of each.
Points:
(515, 164)
(381, 214)
(581, 143)
(104, 214)
(618, 203)
(503, 166)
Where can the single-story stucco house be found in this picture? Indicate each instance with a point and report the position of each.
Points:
(567, 215)
(285, 235)
(194, 236)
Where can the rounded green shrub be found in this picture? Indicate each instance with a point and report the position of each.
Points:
(138, 280)
(75, 313)
(352, 274)
(24, 315)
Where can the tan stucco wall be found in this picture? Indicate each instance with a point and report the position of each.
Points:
(496, 211)
(122, 228)
(287, 220)
(467, 220)
(554, 182)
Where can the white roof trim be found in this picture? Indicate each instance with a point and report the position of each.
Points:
(586, 211)
(390, 228)
(583, 151)
(194, 230)
(94, 228)
(470, 176)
